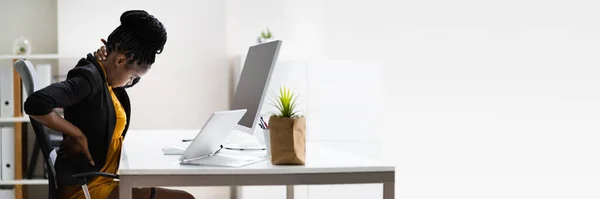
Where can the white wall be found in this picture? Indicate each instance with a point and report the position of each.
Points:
(33, 19)
(485, 99)
(286, 19)
(498, 99)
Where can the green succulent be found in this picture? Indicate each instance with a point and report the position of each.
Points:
(266, 35)
(286, 103)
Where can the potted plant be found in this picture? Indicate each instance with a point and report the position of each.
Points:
(287, 131)
(265, 36)
(22, 46)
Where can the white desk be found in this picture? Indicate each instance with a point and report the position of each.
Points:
(144, 165)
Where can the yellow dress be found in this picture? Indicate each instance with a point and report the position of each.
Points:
(101, 187)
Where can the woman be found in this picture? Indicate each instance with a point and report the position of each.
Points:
(97, 108)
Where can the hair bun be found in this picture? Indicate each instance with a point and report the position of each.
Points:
(144, 27)
(132, 17)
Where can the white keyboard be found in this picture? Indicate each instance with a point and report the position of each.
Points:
(225, 161)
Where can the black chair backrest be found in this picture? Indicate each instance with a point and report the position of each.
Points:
(48, 152)
(27, 74)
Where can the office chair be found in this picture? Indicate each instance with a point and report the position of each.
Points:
(55, 139)
(27, 74)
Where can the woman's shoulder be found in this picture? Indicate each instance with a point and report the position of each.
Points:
(89, 71)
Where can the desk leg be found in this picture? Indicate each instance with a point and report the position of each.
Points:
(233, 192)
(289, 192)
(125, 191)
(388, 190)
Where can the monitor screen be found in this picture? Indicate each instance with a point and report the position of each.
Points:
(251, 87)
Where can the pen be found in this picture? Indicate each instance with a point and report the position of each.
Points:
(186, 140)
(265, 123)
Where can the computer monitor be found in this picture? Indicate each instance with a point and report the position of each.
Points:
(252, 87)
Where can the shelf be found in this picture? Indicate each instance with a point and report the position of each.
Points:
(14, 119)
(24, 182)
(36, 56)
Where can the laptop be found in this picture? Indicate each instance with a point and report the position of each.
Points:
(205, 148)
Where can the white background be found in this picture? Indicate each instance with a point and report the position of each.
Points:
(497, 99)
(484, 99)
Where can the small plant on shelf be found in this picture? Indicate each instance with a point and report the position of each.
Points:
(22, 46)
(265, 36)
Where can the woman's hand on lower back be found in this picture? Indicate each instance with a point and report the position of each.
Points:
(58, 123)
(69, 147)
(75, 145)
(83, 143)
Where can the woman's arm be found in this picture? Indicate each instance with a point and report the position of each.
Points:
(40, 106)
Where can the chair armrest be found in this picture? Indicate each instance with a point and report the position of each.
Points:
(82, 177)
(94, 174)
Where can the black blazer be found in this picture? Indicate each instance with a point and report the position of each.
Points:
(88, 105)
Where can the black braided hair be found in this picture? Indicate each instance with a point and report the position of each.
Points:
(139, 37)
